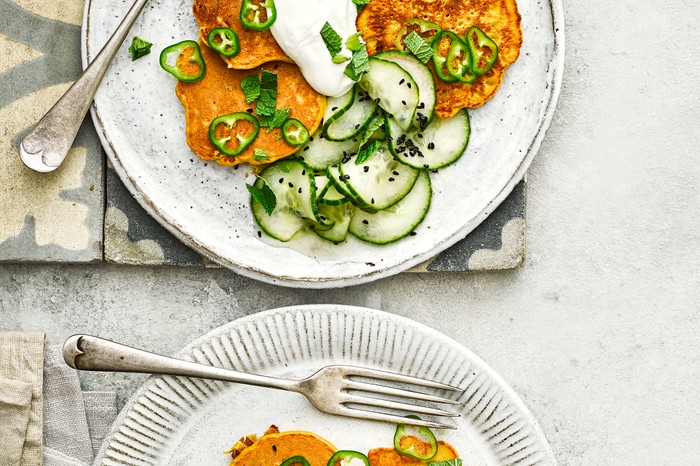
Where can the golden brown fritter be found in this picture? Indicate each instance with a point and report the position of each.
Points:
(382, 22)
(220, 93)
(257, 47)
(390, 457)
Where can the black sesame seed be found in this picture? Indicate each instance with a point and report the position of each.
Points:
(299, 191)
(347, 177)
(421, 106)
(392, 179)
(303, 173)
(402, 81)
(366, 169)
(431, 145)
(311, 138)
(403, 102)
(409, 85)
(249, 110)
(413, 233)
(291, 185)
(372, 200)
(334, 109)
(420, 136)
(377, 100)
(357, 126)
(259, 234)
(281, 180)
(306, 148)
(426, 166)
(365, 222)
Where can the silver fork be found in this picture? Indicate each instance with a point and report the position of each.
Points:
(333, 389)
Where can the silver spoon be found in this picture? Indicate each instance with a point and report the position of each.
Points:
(46, 146)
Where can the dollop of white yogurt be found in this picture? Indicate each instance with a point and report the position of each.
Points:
(297, 30)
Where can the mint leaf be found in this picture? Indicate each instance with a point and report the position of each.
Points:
(373, 126)
(276, 120)
(354, 43)
(268, 94)
(454, 462)
(251, 88)
(367, 152)
(139, 48)
(359, 64)
(340, 59)
(263, 196)
(418, 47)
(261, 155)
(334, 43)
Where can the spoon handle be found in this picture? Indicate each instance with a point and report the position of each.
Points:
(46, 146)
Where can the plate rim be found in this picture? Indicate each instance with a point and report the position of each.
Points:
(555, 74)
(402, 321)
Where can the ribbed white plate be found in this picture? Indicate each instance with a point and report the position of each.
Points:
(142, 127)
(182, 421)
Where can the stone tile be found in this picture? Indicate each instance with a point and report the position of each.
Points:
(53, 217)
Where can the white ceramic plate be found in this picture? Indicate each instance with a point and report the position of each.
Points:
(142, 127)
(182, 421)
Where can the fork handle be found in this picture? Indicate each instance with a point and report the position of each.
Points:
(89, 353)
(48, 143)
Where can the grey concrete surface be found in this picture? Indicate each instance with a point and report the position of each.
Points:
(598, 331)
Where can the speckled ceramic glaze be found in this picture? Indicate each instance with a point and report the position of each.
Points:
(142, 127)
(182, 421)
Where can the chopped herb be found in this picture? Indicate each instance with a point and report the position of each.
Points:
(340, 59)
(276, 120)
(419, 47)
(367, 152)
(373, 126)
(454, 462)
(359, 64)
(361, 2)
(354, 44)
(263, 196)
(268, 94)
(139, 48)
(333, 41)
(251, 88)
(261, 155)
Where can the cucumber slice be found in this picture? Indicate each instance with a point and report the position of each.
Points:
(396, 90)
(320, 152)
(438, 145)
(336, 106)
(378, 182)
(352, 121)
(397, 221)
(294, 186)
(333, 174)
(330, 195)
(341, 215)
(422, 75)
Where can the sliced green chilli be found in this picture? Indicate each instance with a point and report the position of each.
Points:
(184, 61)
(483, 49)
(295, 133)
(233, 133)
(441, 49)
(295, 461)
(459, 62)
(260, 16)
(417, 442)
(426, 29)
(225, 41)
(344, 457)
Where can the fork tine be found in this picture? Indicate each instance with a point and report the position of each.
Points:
(375, 416)
(384, 390)
(365, 400)
(400, 378)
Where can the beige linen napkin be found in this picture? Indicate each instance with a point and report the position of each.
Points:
(75, 422)
(21, 403)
